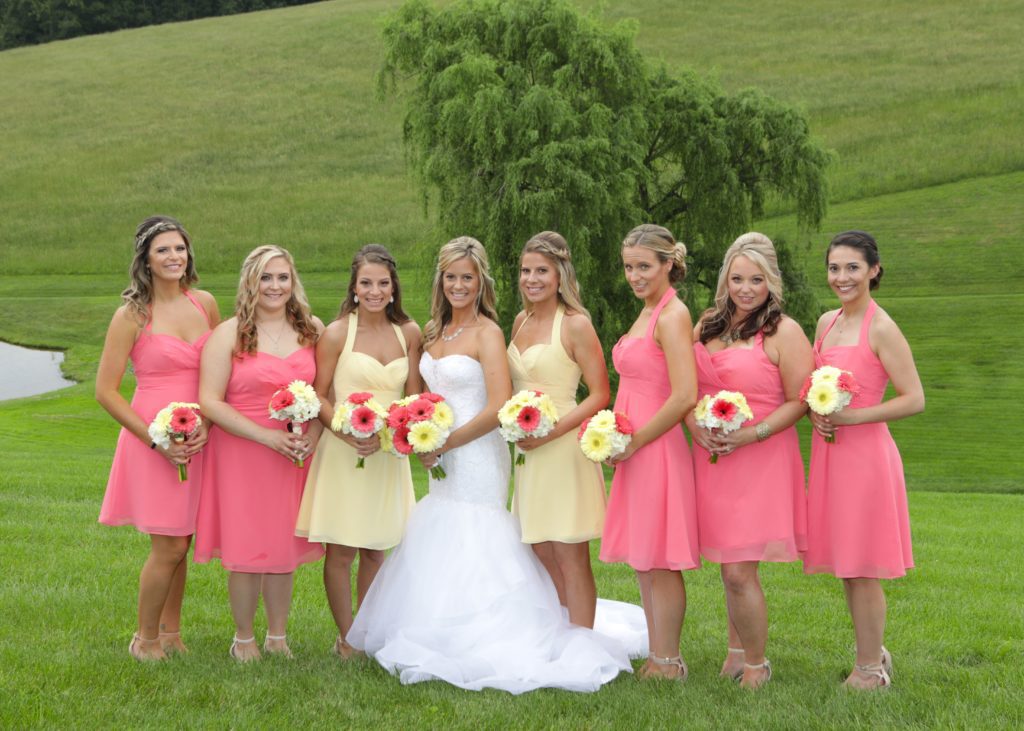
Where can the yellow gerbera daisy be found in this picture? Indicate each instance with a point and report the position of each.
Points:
(424, 436)
(823, 398)
(596, 445)
(444, 417)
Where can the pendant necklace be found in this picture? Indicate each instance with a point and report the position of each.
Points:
(449, 338)
(273, 341)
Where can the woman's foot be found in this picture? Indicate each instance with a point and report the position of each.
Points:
(755, 676)
(277, 645)
(732, 668)
(171, 644)
(345, 651)
(874, 676)
(244, 650)
(665, 668)
(145, 650)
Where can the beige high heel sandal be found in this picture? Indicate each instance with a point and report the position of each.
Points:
(677, 661)
(137, 640)
(286, 652)
(235, 642)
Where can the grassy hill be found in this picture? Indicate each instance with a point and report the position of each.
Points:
(265, 127)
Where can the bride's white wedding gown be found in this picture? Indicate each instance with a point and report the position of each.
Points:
(463, 600)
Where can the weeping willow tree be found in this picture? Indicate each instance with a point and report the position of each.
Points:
(524, 115)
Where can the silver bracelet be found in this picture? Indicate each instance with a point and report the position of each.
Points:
(763, 431)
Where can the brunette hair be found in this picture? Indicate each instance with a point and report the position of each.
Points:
(138, 295)
(463, 247)
(864, 243)
(552, 246)
(296, 310)
(717, 319)
(375, 254)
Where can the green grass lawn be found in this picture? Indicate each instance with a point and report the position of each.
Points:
(264, 128)
(68, 588)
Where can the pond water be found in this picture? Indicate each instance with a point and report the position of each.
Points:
(27, 372)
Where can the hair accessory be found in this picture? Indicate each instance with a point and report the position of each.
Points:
(155, 228)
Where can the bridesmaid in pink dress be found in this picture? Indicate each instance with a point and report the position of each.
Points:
(858, 523)
(651, 521)
(751, 504)
(252, 487)
(161, 328)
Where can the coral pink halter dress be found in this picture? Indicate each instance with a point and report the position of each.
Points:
(858, 524)
(143, 489)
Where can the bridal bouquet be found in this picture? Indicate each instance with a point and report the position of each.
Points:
(725, 411)
(527, 414)
(175, 422)
(419, 423)
(828, 390)
(295, 404)
(604, 435)
(359, 416)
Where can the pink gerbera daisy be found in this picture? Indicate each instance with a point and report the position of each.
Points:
(529, 418)
(723, 410)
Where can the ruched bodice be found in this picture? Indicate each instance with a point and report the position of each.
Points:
(255, 377)
(546, 367)
(478, 471)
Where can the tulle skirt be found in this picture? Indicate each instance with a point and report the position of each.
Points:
(464, 601)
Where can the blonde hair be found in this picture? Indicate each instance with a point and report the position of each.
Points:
(552, 246)
(664, 245)
(463, 247)
(138, 295)
(717, 319)
(296, 310)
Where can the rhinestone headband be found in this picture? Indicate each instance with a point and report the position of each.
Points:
(152, 230)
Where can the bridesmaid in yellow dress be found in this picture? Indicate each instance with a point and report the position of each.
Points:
(559, 493)
(373, 346)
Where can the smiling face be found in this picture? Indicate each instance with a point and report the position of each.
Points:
(849, 275)
(168, 256)
(275, 284)
(538, 278)
(748, 286)
(644, 272)
(461, 284)
(373, 287)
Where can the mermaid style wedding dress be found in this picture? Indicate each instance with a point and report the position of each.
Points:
(463, 600)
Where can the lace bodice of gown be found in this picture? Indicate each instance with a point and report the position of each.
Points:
(478, 472)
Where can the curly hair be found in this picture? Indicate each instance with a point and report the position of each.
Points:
(717, 320)
(138, 295)
(296, 310)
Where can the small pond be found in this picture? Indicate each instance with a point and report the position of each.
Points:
(27, 372)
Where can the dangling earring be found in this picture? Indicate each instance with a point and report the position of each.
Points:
(392, 300)
(355, 298)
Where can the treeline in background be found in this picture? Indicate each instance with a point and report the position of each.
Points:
(27, 22)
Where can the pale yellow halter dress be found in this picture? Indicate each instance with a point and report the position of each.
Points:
(364, 508)
(559, 493)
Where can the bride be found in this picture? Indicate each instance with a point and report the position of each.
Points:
(462, 599)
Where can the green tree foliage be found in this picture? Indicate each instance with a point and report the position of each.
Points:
(523, 115)
(24, 22)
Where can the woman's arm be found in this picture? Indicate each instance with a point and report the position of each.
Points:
(120, 339)
(894, 353)
(414, 349)
(674, 335)
(583, 346)
(214, 373)
(790, 350)
(328, 350)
